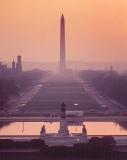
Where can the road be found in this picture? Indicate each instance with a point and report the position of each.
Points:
(57, 90)
(45, 99)
(23, 99)
(111, 107)
(15, 104)
(57, 119)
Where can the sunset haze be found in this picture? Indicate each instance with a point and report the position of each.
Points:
(96, 30)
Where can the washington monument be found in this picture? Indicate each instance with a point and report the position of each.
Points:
(62, 44)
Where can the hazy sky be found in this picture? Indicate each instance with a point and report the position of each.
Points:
(96, 30)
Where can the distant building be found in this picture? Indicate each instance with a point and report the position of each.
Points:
(111, 68)
(13, 66)
(19, 65)
(4, 70)
(15, 69)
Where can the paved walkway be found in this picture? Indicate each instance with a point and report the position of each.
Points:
(56, 119)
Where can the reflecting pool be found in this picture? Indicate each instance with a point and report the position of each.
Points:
(33, 128)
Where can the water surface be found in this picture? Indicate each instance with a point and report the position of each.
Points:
(33, 128)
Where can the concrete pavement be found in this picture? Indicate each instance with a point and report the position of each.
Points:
(57, 119)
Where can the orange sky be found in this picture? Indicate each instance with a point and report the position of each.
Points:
(96, 30)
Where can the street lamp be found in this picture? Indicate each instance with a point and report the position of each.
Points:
(76, 104)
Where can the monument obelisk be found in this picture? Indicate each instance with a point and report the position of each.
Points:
(62, 44)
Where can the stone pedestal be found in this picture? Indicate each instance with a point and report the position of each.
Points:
(63, 130)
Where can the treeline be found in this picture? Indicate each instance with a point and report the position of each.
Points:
(110, 83)
(96, 147)
(12, 86)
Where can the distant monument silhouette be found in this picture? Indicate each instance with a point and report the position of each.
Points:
(13, 65)
(19, 65)
(62, 44)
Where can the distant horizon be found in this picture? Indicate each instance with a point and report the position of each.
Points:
(67, 61)
(80, 65)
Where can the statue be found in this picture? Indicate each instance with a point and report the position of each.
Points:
(84, 132)
(43, 131)
(63, 110)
